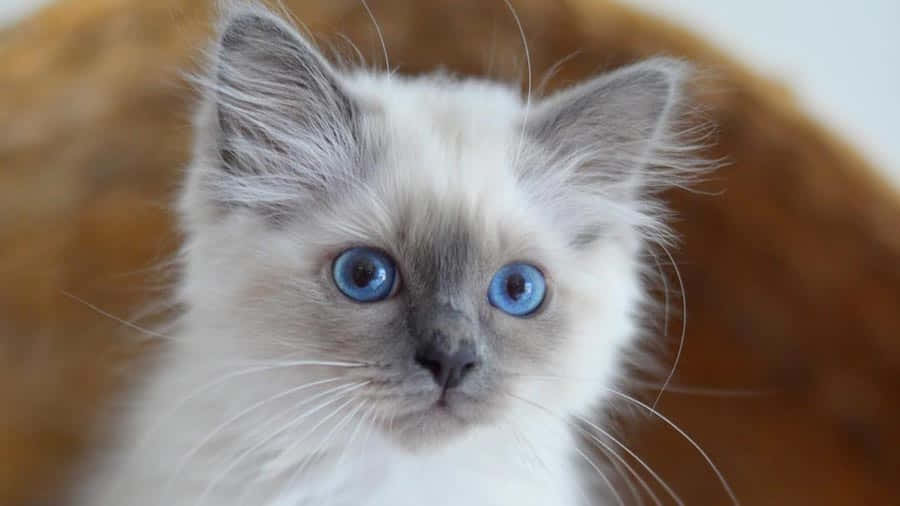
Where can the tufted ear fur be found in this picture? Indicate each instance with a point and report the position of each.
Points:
(276, 124)
(619, 138)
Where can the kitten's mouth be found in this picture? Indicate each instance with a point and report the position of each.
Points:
(434, 419)
(444, 413)
(442, 407)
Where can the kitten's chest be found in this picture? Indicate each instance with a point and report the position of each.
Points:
(475, 478)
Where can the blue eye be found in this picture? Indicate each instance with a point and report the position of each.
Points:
(517, 289)
(364, 274)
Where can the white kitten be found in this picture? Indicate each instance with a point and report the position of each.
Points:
(398, 291)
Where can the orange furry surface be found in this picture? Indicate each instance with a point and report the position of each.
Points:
(790, 259)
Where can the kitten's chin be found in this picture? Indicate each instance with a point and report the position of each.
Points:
(435, 425)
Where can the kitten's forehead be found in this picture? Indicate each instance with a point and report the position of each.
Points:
(442, 193)
(444, 135)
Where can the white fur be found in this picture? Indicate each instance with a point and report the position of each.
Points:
(193, 440)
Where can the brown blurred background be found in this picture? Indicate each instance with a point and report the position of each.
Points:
(791, 255)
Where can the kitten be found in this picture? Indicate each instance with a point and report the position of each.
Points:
(398, 290)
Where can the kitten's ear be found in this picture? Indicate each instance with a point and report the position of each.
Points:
(612, 131)
(274, 107)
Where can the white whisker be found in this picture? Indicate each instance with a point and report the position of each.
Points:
(352, 438)
(327, 438)
(387, 62)
(603, 477)
(310, 455)
(371, 424)
(681, 389)
(702, 391)
(147, 436)
(115, 318)
(216, 431)
(640, 461)
(628, 475)
(360, 59)
(688, 438)
(553, 70)
(525, 48)
(234, 463)
(570, 424)
(683, 325)
(666, 295)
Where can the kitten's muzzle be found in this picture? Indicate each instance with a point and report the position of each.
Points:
(448, 360)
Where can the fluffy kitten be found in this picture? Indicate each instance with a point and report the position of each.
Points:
(398, 291)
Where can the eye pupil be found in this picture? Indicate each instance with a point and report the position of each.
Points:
(516, 286)
(363, 273)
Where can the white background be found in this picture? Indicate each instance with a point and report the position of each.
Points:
(842, 57)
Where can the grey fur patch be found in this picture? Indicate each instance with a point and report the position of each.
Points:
(285, 126)
(620, 138)
(627, 110)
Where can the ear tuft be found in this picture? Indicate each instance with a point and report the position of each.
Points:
(629, 111)
(277, 124)
(619, 138)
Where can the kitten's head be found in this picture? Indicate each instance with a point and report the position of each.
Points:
(452, 250)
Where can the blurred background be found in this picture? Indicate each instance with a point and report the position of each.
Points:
(790, 372)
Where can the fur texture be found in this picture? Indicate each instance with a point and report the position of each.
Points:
(297, 395)
(96, 142)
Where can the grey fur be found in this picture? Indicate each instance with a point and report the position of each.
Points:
(281, 115)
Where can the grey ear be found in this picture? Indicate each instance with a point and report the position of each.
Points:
(615, 126)
(278, 104)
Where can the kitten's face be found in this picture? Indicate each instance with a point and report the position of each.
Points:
(448, 252)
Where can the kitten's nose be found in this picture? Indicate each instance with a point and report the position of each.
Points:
(448, 368)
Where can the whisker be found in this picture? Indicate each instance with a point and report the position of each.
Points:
(360, 59)
(613, 453)
(352, 438)
(666, 295)
(371, 425)
(524, 441)
(391, 422)
(618, 461)
(681, 389)
(221, 380)
(387, 63)
(145, 439)
(310, 455)
(315, 427)
(683, 434)
(222, 474)
(323, 363)
(545, 410)
(626, 477)
(209, 437)
(527, 51)
(702, 391)
(683, 325)
(327, 438)
(640, 461)
(553, 70)
(603, 476)
(670, 423)
(115, 318)
(548, 475)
